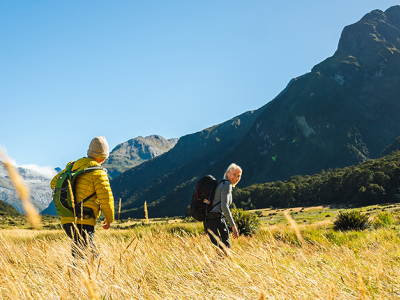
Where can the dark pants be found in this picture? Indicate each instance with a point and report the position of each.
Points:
(217, 224)
(82, 238)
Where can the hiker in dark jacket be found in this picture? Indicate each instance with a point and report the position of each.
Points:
(217, 217)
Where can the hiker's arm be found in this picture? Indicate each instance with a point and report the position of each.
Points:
(235, 232)
(106, 225)
(104, 195)
(226, 196)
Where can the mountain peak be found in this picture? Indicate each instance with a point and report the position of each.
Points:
(376, 32)
(393, 15)
(376, 15)
(135, 151)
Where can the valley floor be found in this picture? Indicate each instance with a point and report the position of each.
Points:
(172, 260)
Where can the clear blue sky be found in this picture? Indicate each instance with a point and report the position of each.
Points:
(72, 70)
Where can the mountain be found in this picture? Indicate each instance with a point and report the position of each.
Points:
(395, 146)
(345, 111)
(8, 210)
(50, 209)
(38, 182)
(176, 170)
(136, 151)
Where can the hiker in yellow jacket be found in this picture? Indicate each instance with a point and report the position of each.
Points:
(97, 183)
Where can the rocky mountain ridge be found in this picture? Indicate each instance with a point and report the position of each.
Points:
(136, 151)
(345, 111)
(38, 184)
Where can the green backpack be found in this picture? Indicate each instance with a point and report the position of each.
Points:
(65, 202)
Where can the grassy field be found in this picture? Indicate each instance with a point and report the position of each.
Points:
(171, 259)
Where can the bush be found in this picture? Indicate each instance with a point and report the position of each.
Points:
(258, 213)
(383, 219)
(351, 220)
(189, 220)
(246, 222)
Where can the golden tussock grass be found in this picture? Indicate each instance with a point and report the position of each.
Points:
(153, 263)
(294, 226)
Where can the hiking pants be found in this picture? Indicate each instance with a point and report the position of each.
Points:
(82, 238)
(217, 224)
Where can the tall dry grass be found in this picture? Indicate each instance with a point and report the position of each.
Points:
(152, 263)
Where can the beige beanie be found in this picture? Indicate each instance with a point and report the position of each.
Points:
(98, 148)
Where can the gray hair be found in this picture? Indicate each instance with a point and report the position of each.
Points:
(232, 166)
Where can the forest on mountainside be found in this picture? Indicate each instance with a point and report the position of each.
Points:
(372, 182)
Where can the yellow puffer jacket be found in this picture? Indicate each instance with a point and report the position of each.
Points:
(86, 184)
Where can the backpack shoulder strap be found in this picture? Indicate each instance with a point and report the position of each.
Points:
(85, 170)
(68, 169)
(86, 199)
(88, 169)
(94, 168)
(218, 183)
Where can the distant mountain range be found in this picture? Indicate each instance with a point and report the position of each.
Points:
(37, 182)
(136, 151)
(345, 111)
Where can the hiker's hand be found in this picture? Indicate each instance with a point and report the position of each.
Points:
(106, 225)
(235, 232)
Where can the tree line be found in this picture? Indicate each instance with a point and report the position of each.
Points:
(372, 182)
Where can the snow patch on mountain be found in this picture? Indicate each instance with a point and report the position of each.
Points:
(36, 178)
(304, 127)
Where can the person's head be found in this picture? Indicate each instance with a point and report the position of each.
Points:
(98, 149)
(233, 174)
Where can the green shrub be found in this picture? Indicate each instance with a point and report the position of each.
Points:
(189, 220)
(383, 219)
(246, 222)
(258, 213)
(351, 220)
